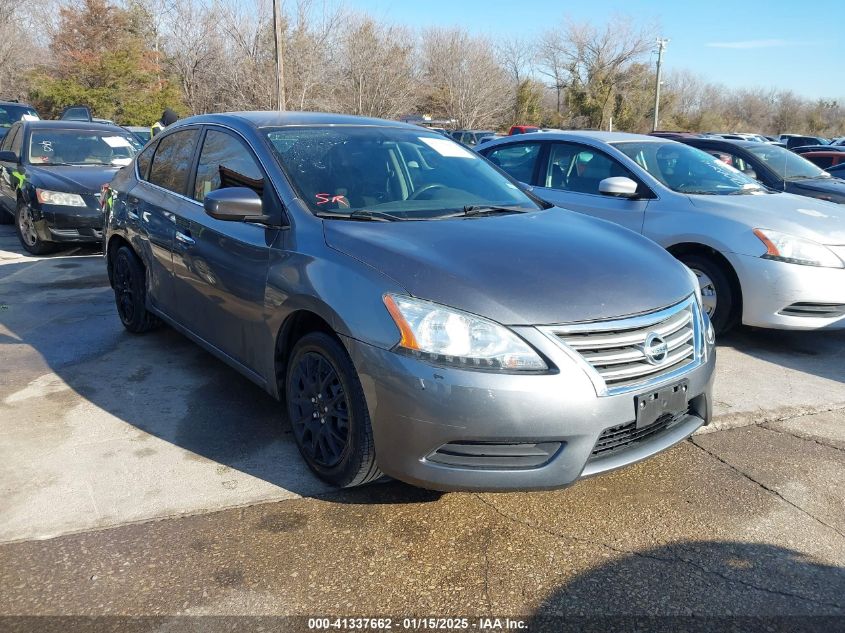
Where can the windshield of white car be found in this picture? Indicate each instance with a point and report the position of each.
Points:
(408, 174)
(688, 170)
(787, 165)
(49, 146)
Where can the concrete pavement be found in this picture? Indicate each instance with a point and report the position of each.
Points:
(166, 484)
(709, 528)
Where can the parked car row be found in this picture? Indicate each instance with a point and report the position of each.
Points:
(516, 317)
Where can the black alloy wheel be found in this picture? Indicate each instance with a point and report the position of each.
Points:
(328, 413)
(128, 282)
(320, 410)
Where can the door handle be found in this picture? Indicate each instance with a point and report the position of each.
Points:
(187, 240)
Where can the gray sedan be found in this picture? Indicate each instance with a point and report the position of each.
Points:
(418, 313)
(762, 257)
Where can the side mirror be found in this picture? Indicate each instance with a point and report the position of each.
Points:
(618, 186)
(235, 204)
(8, 157)
(525, 186)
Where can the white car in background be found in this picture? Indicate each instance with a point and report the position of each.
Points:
(763, 258)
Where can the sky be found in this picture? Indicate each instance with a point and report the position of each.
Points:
(787, 44)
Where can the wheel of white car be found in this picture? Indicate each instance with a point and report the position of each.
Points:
(717, 294)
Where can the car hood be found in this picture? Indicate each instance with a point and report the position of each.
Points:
(71, 178)
(833, 186)
(810, 218)
(535, 268)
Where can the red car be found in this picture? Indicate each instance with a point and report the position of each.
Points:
(824, 159)
(522, 129)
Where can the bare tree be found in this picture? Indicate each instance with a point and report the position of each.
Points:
(516, 55)
(25, 30)
(594, 63)
(375, 74)
(311, 53)
(553, 62)
(463, 78)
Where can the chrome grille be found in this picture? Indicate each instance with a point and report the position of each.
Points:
(614, 351)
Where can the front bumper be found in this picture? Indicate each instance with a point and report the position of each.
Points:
(417, 408)
(69, 224)
(790, 296)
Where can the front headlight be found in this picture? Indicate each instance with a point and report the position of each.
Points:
(59, 198)
(796, 250)
(442, 335)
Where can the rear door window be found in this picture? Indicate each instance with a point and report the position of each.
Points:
(172, 160)
(144, 160)
(517, 159)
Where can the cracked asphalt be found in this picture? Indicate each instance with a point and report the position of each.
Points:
(141, 477)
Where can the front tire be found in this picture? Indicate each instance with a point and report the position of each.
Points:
(328, 413)
(27, 234)
(130, 292)
(719, 298)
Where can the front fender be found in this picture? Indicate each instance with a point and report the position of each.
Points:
(344, 292)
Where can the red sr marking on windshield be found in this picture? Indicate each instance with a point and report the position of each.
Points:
(323, 198)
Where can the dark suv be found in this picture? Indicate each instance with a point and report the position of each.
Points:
(419, 314)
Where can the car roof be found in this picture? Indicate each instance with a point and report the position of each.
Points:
(72, 125)
(721, 141)
(823, 153)
(595, 135)
(15, 103)
(281, 119)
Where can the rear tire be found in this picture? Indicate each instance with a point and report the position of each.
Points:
(28, 236)
(719, 297)
(130, 292)
(328, 414)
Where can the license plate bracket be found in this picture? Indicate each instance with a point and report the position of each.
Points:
(655, 404)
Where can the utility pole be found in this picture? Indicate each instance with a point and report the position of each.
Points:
(661, 46)
(280, 65)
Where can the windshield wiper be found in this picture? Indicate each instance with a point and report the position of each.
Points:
(361, 214)
(482, 209)
(745, 191)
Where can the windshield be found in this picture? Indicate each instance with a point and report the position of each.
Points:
(686, 169)
(788, 165)
(81, 147)
(408, 174)
(10, 114)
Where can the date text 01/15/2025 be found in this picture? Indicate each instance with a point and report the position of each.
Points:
(416, 624)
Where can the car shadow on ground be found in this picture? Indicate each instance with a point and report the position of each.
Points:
(700, 586)
(820, 353)
(161, 383)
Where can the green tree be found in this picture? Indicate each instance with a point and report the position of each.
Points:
(103, 61)
(528, 102)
